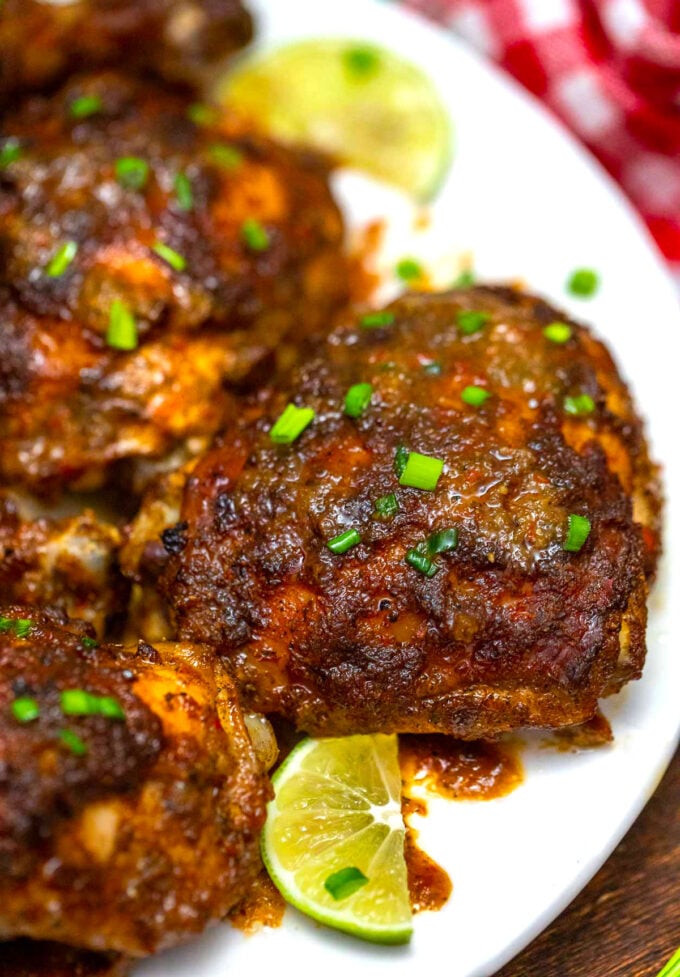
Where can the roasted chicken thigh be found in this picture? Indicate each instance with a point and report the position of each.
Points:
(462, 544)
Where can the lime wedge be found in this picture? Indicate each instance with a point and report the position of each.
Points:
(362, 104)
(333, 842)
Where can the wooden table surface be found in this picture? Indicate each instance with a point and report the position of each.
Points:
(626, 923)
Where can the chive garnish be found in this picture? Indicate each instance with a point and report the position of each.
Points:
(465, 279)
(400, 459)
(132, 172)
(421, 471)
(88, 642)
(122, 331)
(579, 406)
(357, 399)
(61, 259)
(184, 194)
(291, 424)
(361, 62)
(409, 270)
(176, 261)
(578, 530)
(85, 106)
(344, 541)
(229, 157)
(419, 561)
(25, 709)
(583, 283)
(387, 506)
(672, 968)
(470, 321)
(201, 114)
(442, 542)
(254, 235)
(376, 320)
(72, 742)
(110, 708)
(78, 702)
(474, 396)
(345, 883)
(557, 332)
(10, 152)
(22, 627)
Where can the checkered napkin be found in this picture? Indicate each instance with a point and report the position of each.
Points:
(610, 69)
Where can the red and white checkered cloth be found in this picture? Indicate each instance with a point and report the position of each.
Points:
(610, 69)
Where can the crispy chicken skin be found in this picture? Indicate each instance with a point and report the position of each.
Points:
(178, 39)
(511, 630)
(256, 257)
(70, 563)
(148, 835)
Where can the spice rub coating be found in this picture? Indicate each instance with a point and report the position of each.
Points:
(510, 630)
(138, 826)
(178, 39)
(218, 244)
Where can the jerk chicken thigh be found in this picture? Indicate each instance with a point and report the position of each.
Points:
(131, 798)
(499, 582)
(152, 254)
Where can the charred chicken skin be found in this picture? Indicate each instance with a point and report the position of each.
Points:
(130, 795)
(509, 590)
(151, 257)
(178, 39)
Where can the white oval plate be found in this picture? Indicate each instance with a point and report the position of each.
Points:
(529, 204)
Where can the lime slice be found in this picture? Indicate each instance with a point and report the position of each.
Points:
(333, 842)
(360, 103)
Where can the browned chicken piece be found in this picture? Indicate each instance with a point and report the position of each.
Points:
(28, 958)
(69, 562)
(507, 592)
(131, 798)
(179, 39)
(149, 259)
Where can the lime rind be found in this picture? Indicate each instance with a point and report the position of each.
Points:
(305, 840)
(385, 118)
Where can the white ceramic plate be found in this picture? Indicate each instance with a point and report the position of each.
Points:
(529, 204)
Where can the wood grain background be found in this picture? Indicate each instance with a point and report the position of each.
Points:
(626, 923)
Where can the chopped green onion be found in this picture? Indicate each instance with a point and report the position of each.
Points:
(254, 235)
(110, 708)
(579, 406)
(88, 642)
(358, 398)
(583, 282)
(25, 709)
(132, 172)
(291, 424)
(345, 541)
(469, 321)
(419, 561)
(409, 270)
(122, 331)
(442, 542)
(226, 156)
(78, 702)
(387, 506)
(5, 623)
(345, 883)
(22, 627)
(421, 471)
(557, 332)
(400, 459)
(184, 194)
(672, 968)
(578, 530)
(85, 106)
(465, 279)
(376, 320)
(474, 396)
(72, 742)
(10, 152)
(61, 259)
(201, 114)
(361, 62)
(170, 256)
(434, 368)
